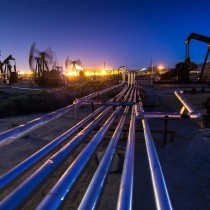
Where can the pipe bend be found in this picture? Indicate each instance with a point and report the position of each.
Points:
(195, 115)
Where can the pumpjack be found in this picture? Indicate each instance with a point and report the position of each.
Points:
(183, 68)
(40, 62)
(8, 70)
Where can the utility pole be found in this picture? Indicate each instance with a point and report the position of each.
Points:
(151, 73)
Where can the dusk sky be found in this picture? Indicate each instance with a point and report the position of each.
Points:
(129, 33)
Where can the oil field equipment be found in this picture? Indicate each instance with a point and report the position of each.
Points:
(74, 66)
(202, 39)
(43, 65)
(182, 69)
(185, 67)
(8, 70)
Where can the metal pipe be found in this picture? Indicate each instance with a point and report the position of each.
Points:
(111, 103)
(20, 168)
(126, 185)
(162, 199)
(20, 131)
(193, 113)
(58, 193)
(97, 183)
(129, 76)
(158, 115)
(24, 190)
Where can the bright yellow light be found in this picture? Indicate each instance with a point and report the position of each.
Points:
(103, 72)
(160, 67)
(88, 73)
(78, 67)
(71, 73)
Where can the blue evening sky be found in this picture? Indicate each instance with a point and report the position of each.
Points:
(129, 33)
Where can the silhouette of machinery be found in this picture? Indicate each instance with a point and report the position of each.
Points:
(8, 70)
(40, 62)
(183, 68)
(73, 65)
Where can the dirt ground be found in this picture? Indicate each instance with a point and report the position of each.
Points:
(185, 159)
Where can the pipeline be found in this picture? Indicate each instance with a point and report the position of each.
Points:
(162, 199)
(58, 193)
(54, 199)
(20, 168)
(24, 190)
(126, 186)
(97, 183)
(192, 112)
(20, 131)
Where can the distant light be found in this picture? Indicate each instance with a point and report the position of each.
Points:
(160, 67)
(78, 67)
(143, 69)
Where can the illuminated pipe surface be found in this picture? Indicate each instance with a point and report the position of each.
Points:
(158, 115)
(126, 186)
(96, 185)
(193, 113)
(162, 199)
(20, 168)
(24, 190)
(22, 130)
(58, 193)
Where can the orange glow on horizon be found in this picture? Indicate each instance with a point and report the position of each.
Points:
(160, 67)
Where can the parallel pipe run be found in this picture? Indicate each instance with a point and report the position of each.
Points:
(23, 191)
(126, 185)
(97, 183)
(22, 130)
(193, 113)
(20, 168)
(58, 193)
(162, 199)
(15, 199)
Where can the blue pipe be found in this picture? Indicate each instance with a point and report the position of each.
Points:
(22, 130)
(20, 168)
(96, 185)
(126, 186)
(162, 199)
(58, 193)
(23, 191)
